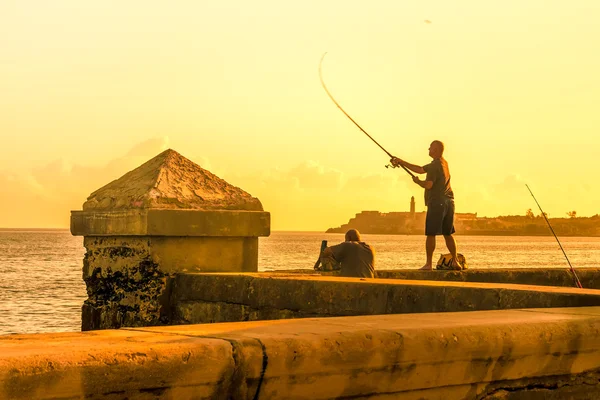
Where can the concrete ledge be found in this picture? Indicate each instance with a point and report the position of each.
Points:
(230, 297)
(115, 364)
(149, 222)
(589, 277)
(511, 354)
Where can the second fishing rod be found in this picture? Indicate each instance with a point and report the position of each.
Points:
(575, 277)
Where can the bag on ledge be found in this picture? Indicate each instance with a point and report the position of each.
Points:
(445, 262)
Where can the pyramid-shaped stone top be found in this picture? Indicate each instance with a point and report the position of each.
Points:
(170, 181)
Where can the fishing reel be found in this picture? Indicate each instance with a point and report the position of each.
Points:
(390, 165)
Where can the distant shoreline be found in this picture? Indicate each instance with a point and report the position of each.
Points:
(549, 234)
(413, 223)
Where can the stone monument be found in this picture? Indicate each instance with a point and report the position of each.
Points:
(167, 216)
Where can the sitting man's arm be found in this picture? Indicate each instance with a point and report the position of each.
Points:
(328, 255)
(331, 257)
(327, 252)
(336, 252)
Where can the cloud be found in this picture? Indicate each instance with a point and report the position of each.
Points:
(508, 196)
(43, 196)
(313, 196)
(307, 196)
(312, 175)
(273, 180)
(512, 182)
(149, 146)
(373, 183)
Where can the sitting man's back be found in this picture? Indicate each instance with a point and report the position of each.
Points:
(357, 258)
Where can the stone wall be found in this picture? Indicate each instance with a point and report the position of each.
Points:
(509, 355)
(128, 277)
(125, 284)
(589, 277)
(201, 298)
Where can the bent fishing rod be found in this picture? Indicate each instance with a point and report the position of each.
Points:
(350, 118)
(576, 278)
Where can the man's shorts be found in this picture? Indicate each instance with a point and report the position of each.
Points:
(440, 218)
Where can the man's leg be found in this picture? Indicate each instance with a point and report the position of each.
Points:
(448, 230)
(451, 245)
(429, 248)
(433, 227)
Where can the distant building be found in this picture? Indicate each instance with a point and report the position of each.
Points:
(398, 222)
(413, 223)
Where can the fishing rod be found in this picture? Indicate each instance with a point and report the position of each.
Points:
(577, 281)
(349, 117)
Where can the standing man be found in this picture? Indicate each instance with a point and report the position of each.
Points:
(439, 200)
(357, 258)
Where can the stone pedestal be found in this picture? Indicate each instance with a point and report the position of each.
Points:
(165, 217)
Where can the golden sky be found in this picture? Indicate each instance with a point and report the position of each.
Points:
(90, 90)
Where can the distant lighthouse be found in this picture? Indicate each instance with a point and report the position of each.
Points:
(412, 207)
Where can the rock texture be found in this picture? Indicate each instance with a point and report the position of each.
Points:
(170, 181)
(125, 286)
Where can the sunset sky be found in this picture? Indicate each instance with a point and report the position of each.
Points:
(90, 90)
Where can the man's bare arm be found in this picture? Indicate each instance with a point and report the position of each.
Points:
(424, 184)
(414, 168)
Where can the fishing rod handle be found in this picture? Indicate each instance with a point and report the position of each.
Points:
(400, 165)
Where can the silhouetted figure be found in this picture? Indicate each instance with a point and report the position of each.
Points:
(357, 259)
(439, 199)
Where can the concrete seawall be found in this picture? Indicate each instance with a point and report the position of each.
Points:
(589, 277)
(510, 354)
(201, 298)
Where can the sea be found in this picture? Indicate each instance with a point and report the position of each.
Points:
(41, 286)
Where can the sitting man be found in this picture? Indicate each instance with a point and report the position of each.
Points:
(356, 258)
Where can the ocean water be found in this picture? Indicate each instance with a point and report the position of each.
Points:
(41, 288)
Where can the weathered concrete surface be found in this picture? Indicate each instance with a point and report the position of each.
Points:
(114, 365)
(510, 354)
(218, 223)
(201, 298)
(589, 277)
(173, 254)
(170, 181)
(127, 278)
(165, 217)
(125, 286)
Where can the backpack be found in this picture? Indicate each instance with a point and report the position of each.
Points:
(445, 262)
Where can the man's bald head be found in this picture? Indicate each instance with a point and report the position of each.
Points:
(352, 236)
(436, 149)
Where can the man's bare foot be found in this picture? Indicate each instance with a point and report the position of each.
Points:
(426, 267)
(456, 265)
